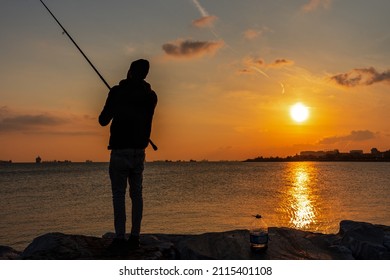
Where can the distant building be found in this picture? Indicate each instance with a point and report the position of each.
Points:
(375, 153)
(333, 152)
(356, 152)
(319, 154)
(316, 154)
(38, 159)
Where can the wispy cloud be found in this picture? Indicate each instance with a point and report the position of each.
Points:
(354, 136)
(191, 49)
(313, 5)
(206, 20)
(281, 62)
(29, 122)
(361, 76)
(253, 33)
(203, 22)
(45, 123)
(253, 64)
(4, 111)
(256, 65)
(129, 49)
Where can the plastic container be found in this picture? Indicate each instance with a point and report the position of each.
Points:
(258, 234)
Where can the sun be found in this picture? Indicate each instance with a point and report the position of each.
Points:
(299, 112)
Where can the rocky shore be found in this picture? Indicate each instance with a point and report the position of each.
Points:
(355, 240)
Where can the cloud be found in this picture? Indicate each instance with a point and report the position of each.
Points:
(253, 65)
(354, 136)
(281, 62)
(362, 76)
(245, 71)
(206, 21)
(191, 49)
(28, 122)
(251, 33)
(129, 49)
(313, 5)
(251, 61)
(4, 110)
(46, 123)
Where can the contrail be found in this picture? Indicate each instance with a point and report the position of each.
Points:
(202, 10)
(204, 13)
(261, 72)
(282, 85)
(267, 76)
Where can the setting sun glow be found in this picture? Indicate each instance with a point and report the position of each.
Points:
(234, 81)
(299, 112)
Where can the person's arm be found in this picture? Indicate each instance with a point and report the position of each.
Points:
(154, 98)
(108, 110)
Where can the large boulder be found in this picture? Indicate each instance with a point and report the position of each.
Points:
(292, 244)
(365, 241)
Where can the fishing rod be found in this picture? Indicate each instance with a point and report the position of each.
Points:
(87, 59)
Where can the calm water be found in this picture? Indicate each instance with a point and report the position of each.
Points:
(192, 197)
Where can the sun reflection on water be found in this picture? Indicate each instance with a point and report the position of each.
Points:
(299, 199)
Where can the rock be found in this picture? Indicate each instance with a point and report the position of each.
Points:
(222, 245)
(355, 240)
(231, 245)
(61, 246)
(365, 241)
(342, 251)
(8, 253)
(386, 241)
(291, 244)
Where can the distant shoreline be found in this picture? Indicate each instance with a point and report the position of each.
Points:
(331, 156)
(313, 160)
(265, 160)
(306, 156)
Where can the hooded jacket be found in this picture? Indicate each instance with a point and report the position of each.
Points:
(130, 105)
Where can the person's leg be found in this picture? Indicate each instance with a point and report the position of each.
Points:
(135, 182)
(118, 174)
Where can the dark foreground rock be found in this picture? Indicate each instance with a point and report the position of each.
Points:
(355, 240)
(8, 253)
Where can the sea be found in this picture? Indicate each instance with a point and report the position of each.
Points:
(192, 197)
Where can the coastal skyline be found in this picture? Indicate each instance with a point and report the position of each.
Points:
(227, 74)
(324, 155)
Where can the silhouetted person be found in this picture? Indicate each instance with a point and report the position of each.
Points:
(130, 108)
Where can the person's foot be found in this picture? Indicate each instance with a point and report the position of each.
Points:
(133, 242)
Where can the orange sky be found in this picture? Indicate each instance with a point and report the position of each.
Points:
(226, 75)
